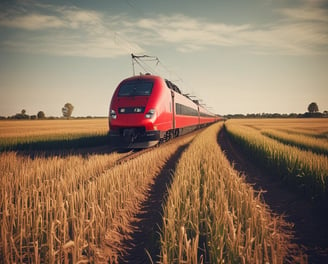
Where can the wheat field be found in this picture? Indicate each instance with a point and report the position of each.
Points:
(213, 216)
(46, 134)
(293, 149)
(78, 209)
(72, 209)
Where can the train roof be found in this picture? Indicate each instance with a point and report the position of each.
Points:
(143, 76)
(148, 76)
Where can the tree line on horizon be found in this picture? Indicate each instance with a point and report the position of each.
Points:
(313, 111)
(67, 110)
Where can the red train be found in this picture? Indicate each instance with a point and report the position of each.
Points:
(147, 109)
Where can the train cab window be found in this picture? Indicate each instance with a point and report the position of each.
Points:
(136, 88)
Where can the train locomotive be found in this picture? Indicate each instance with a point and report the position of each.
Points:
(148, 109)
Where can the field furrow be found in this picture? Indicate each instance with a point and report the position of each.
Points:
(304, 170)
(74, 208)
(66, 196)
(213, 216)
(307, 223)
(319, 146)
(36, 196)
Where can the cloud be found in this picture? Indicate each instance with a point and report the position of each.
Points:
(187, 33)
(70, 46)
(298, 32)
(305, 14)
(63, 30)
(40, 16)
(31, 22)
(303, 28)
(71, 31)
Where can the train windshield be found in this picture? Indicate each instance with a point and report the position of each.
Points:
(136, 88)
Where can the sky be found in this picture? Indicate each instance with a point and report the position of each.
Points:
(251, 56)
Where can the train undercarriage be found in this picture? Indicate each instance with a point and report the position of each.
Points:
(137, 138)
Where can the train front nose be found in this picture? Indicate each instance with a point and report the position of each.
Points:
(134, 128)
(131, 116)
(137, 117)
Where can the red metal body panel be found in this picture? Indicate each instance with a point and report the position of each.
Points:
(164, 101)
(206, 116)
(185, 120)
(159, 100)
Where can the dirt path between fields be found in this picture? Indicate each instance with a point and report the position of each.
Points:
(309, 221)
(144, 245)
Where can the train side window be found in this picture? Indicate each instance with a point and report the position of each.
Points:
(181, 109)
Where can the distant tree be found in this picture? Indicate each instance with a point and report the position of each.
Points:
(313, 108)
(67, 110)
(21, 115)
(41, 115)
(293, 115)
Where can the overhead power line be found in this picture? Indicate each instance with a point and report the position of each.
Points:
(141, 61)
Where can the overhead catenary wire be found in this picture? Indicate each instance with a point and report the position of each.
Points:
(133, 5)
(142, 59)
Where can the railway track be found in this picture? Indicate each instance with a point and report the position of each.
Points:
(137, 152)
(106, 149)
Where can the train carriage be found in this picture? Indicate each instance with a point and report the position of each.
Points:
(147, 109)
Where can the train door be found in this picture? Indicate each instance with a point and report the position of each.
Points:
(173, 110)
(199, 125)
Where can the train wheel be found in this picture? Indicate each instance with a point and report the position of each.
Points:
(176, 132)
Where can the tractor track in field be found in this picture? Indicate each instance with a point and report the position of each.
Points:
(144, 244)
(309, 222)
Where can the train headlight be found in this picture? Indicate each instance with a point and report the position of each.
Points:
(150, 113)
(113, 114)
(137, 110)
